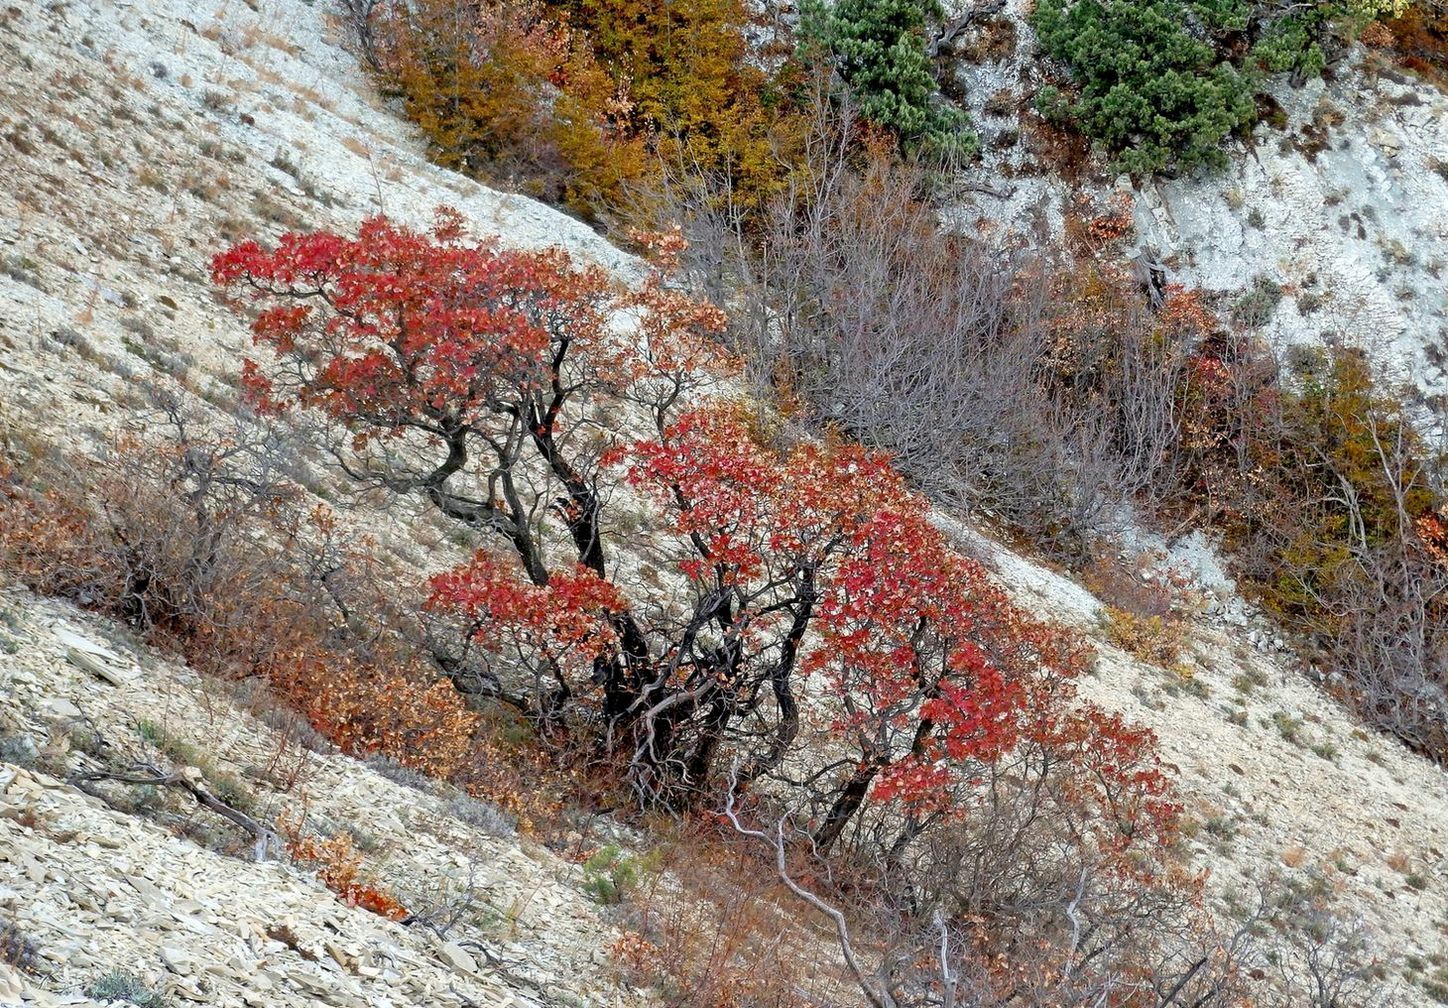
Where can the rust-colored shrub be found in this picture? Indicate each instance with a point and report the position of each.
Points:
(1156, 638)
(339, 867)
(1418, 39)
(1127, 585)
(584, 104)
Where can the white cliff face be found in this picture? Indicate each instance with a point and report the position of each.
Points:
(1344, 208)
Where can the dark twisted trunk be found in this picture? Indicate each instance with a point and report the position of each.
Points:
(781, 678)
(699, 762)
(845, 805)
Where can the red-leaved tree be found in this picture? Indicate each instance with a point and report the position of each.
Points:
(790, 590)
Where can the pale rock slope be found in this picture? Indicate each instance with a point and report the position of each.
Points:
(1344, 208)
(1281, 779)
(135, 138)
(98, 890)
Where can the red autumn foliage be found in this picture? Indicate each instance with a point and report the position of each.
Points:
(562, 628)
(446, 351)
(486, 381)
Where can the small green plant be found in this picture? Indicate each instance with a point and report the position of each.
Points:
(1181, 679)
(1289, 727)
(1222, 829)
(21, 269)
(1221, 826)
(118, 985)
(1247, 681)
(1255, 307)
(85, 739)
(17, 749)
(610, 874)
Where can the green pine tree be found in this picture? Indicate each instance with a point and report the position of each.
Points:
(878, 47)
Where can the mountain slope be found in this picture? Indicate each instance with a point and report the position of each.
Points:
(137, 138)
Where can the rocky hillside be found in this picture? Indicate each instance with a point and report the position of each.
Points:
(99, 891)
(136, 136)
(1333, 215)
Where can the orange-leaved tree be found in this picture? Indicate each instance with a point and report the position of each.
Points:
(587, 103)
(509, 92)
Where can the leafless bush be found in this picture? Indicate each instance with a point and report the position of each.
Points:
(447, 903)
(1333, 502)
(1325, 962)
(397, 773)
(958, 355)
(482, 815)
(155, 529)
(1126, 584)
(192, 532)
(358, 18)
(989, 920)
(1002, 908)
(1393, 652)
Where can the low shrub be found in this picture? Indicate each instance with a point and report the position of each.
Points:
(482, 815)
(1126, 583)
(1143, 86)
(1041, 397)
(19, 749)
(1157, 638)
(1417, 38)
(16, 949)
(119, 985)
(196, 538)
(226, 786)
(397, 773)
(1335, 514)
(713, 929)
(878, 48)
(339, 867)
(506, 92)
